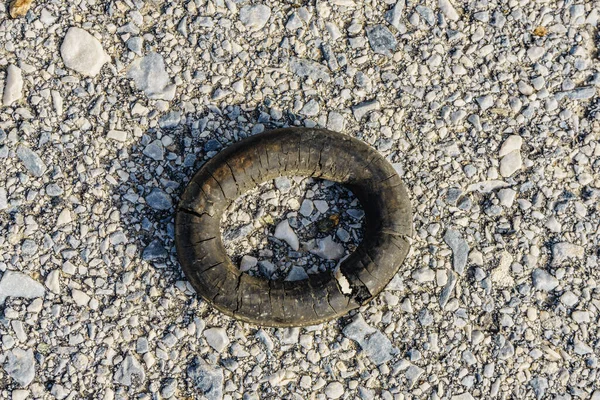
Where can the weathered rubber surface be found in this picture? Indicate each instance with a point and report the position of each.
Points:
(293, 152)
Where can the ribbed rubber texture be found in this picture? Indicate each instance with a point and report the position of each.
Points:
(293, 152)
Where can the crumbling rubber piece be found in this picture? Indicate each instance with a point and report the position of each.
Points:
(293, 152)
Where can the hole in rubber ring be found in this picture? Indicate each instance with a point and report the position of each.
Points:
(291, 227)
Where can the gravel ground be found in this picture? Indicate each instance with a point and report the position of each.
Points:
(487, 109)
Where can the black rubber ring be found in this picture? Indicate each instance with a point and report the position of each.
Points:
(293, 152)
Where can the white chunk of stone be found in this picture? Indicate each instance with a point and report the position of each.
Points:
(511, 163)
(535, 53)
(501, 275)
(448, 10)
(119, 136)
(485, 102)
(150, 76)
(542, 280)
(82, 52)
(255, 17)
(285, 232)
(512, 143)
(13, 85)
(321, 205)
(507, 197)
(564, 251)
(17, 284)
(307, 207)
(20, 365)
(569, 299)
(53, 281)
(130, 372)
(3, 199)
(374, 344)
(394, 16)
(334, 390)
(217, 338)
(64, 217)
(80, 298)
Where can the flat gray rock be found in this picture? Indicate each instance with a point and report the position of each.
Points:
(307, 68)
(255, 17)
(159, 199)
(32, 162)
(20, 365)
(154, 251)
(382, 41)
(375, 344)
(155, 150)
(542, 280)
(207, 379)
(460, 250)
(150, 76)
(130, 372)
(17, 284)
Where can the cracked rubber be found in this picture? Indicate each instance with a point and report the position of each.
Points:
(293, 152)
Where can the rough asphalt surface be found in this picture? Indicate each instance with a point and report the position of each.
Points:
(488, 110)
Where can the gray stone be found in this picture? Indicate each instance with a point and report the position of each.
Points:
(20, 365)
(460, 250)
(135, 44)
(512, 143)
(13, 85)
(297, 274)
(207, 379)
(362, 109)
(255, 17)
(33, 163)
(284, 232)
(448, 289)
(307, 68)
(155, 150)
(217, 338)
(283, 184)
(565, 251)
(150, 76)
(82, 52)
(29, 247)
(426, 13)
(169, 388)
(3, 199)
(375, 344)
(170, 120)
(311, 108)
(448, 10)
(154, 251)
(539, 385)
(412, 374)
(17, 284)
(307, 208)
(54, 190)
(382, 41)
(336, 121)
(130, 372)
(582, 93)
(326, 248)
(247, 263)
(159, 200)
(334, 390)
(542, 280)
(395, 14)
